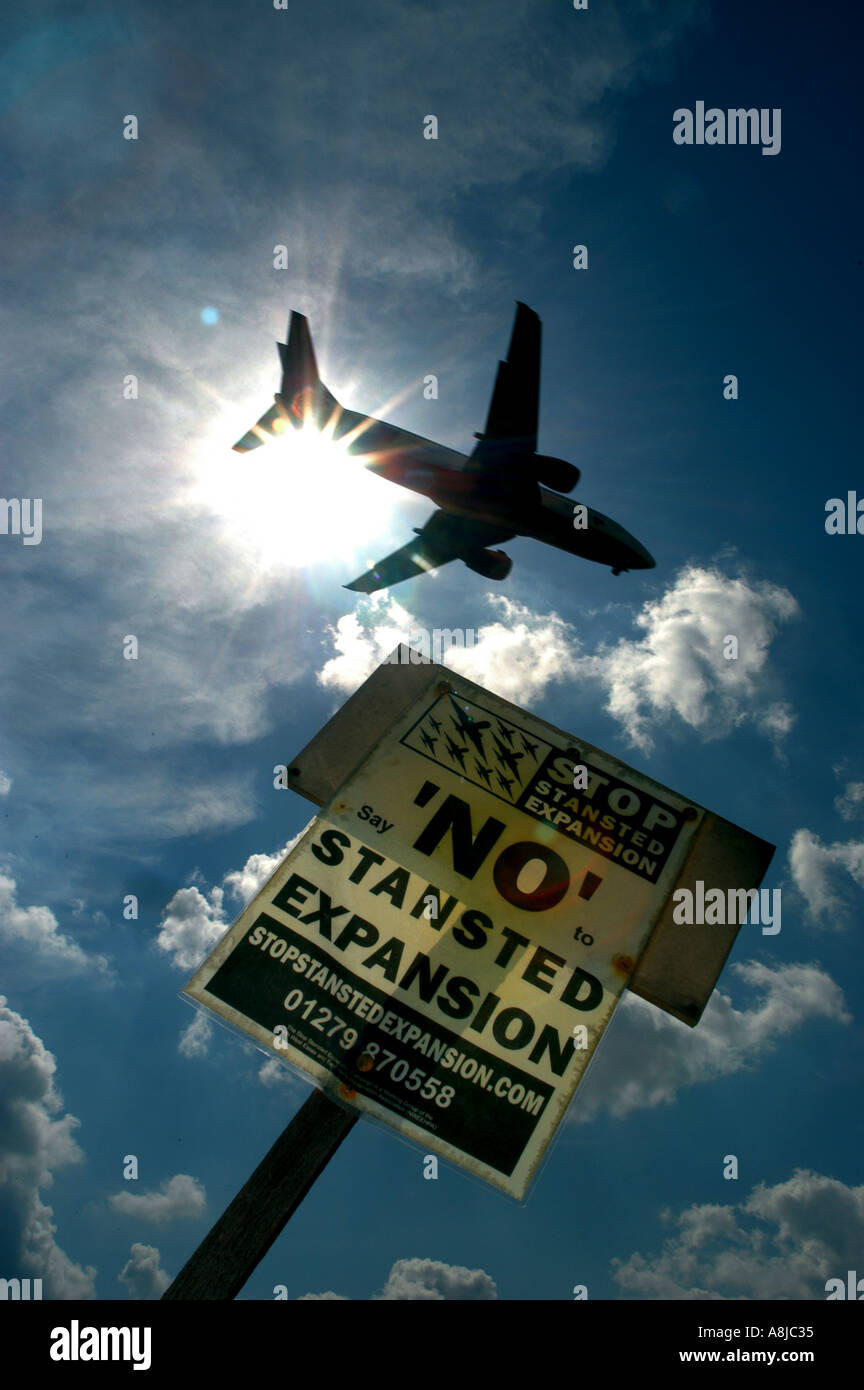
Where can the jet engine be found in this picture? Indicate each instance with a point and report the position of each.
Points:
(556, 473)
(492, 564)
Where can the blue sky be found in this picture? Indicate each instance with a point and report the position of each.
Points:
(153, 777)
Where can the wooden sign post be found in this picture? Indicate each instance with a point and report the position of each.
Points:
(248, 1227)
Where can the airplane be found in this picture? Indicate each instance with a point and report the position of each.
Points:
(468, 728)
(507, 756)
(428, 740)
(503, 490)
(485, 772)
(456, 753)
(505, 782)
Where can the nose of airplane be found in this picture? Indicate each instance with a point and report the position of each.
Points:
(633, 555)
(638, 558)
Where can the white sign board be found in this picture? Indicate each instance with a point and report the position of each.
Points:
(445, 946)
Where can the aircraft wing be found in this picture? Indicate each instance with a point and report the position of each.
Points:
(266, 429)
(445, 537)
(512, 421)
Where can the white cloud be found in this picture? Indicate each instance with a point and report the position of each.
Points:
(678, 667)
(559, 116)
(5, 784)
(36, 1140)
(180, 1198)
(649, 1056)
(275, 1073)
(143, 1274)
(850, 803)
(782, 1242)
(429, 1281)
(517, 656)
(193, 921)
(364, 639)
(196, 1036)
(244, 883)
(777, 721)
(161, 803)
(37, 929)
(521, 654)
(191, 924)
(818, 870)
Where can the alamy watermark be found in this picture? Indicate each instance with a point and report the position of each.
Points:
(20, 1289)
(22, 516)
(846, 517)
(721, 906)
(424, 644)
(77, 1343)
(740, 126)
(852, 1287)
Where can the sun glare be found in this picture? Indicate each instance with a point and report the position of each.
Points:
(296, 500)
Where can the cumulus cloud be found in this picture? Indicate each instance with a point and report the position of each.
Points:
(193, 921)
(196, 1037)
(5, 784)
(143, 1274)
(429, 1281)
(38, 931)
(819, 873)
(649, 1056)
(181, 1198)
(781, 1242)
(244, 883)
(363, 639)
(37, 1139)
(850, 803)
(517, 656)
(521, 654)
(678, 668)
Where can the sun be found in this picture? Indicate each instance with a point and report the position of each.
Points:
(298, 500)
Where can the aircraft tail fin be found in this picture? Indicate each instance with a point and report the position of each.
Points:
(303, 393)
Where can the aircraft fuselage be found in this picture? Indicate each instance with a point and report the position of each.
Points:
(507, 496)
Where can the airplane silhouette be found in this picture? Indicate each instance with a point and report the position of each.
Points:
(506, 782)
(507, 756)
(494, 495)
(470, 728)
(456, 752)
(485, 772)
(429, 742)
(435, 725)
(529, 746)
(505, 732)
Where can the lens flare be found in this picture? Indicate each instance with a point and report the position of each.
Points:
(297, 500)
